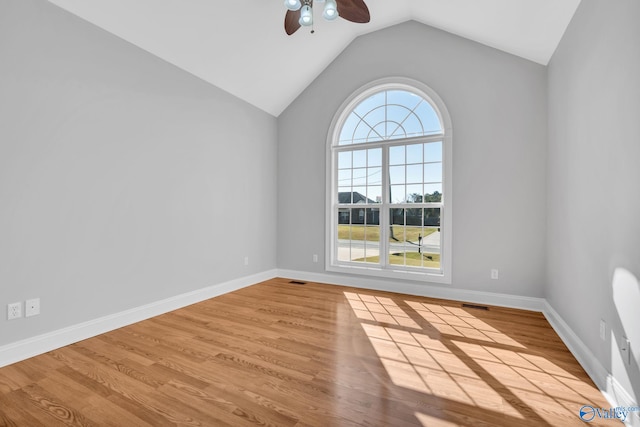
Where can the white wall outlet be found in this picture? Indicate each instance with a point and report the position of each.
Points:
(603, 329)
(625, 351)
(14, 310)
(32, 307)
(494, 273)
(315, 257)
(246, 260)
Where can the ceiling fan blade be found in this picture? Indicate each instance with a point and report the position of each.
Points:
(292, 21)
(354, 11)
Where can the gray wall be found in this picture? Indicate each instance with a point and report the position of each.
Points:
(594, 181)
(498, 107)
(123, 180)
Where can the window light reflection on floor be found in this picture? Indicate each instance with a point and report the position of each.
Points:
(418, 362)
(379, 309)
(449, 353)
(458, 322)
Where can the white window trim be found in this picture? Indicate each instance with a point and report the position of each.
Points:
(391, 83)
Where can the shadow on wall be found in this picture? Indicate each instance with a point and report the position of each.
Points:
(626, 299)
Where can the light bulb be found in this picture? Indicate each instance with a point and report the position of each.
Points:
(292, 5)
(306, 16)
(330, 10)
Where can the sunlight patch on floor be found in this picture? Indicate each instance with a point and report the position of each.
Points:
(420, 363)
(379, 309)
(430, 421)
(458, 322)
(533, 378)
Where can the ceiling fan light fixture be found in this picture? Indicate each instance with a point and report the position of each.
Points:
(349, 10)
(330, 10)
(306, 16)
(292, 5)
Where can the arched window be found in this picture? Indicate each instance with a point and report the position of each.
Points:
(389, 192)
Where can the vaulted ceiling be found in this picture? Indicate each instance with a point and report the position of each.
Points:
(241, 46)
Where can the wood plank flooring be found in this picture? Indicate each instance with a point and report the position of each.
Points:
(281, 354)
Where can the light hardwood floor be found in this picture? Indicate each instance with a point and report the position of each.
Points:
(283, 354)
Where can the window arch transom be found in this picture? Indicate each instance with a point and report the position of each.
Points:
(389, 115)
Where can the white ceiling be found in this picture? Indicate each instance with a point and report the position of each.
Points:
(241, 46)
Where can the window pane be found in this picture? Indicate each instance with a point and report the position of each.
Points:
(402, 97)
(372, 217)
(374, 176)
(431, 248)
(344, 216)
(344, 234)
(374, 194)
(433, 193)
(344, 160)
(414, 153)
(344, 246)
(414, 216)
(374, 157)
(429, 118)
(433, 152)
(361, 133)
(375, 116)
(359, 194)
(376, 133)
(414, 173)
(346, 134)
(370, 103)
(396, 155)
(396, 174)
(414, 193)
(397, 194)
(360, 158)
(433, 172)
(344, 194)
(396, 216)
(432, 217)
(344, 177)
(359, 177)
(396, 115)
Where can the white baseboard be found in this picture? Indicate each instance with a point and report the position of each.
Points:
(24, 349)
(421, 289)
(580, 351)
(615, 394)
(618, 396)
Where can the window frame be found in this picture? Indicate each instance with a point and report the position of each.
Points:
(331, 206)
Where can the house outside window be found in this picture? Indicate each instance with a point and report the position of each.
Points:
(389, 187)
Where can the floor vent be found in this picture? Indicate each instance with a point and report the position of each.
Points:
(297, 282)
(477, 307)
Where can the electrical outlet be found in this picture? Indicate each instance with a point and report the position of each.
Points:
(625, 351)
(603, 330)
(32, 307)
(494, 273)
(14, 310)
(315, 257)
(246, 260)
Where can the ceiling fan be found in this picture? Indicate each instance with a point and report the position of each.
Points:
(300, 12)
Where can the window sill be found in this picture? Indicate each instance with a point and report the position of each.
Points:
(416, 276)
